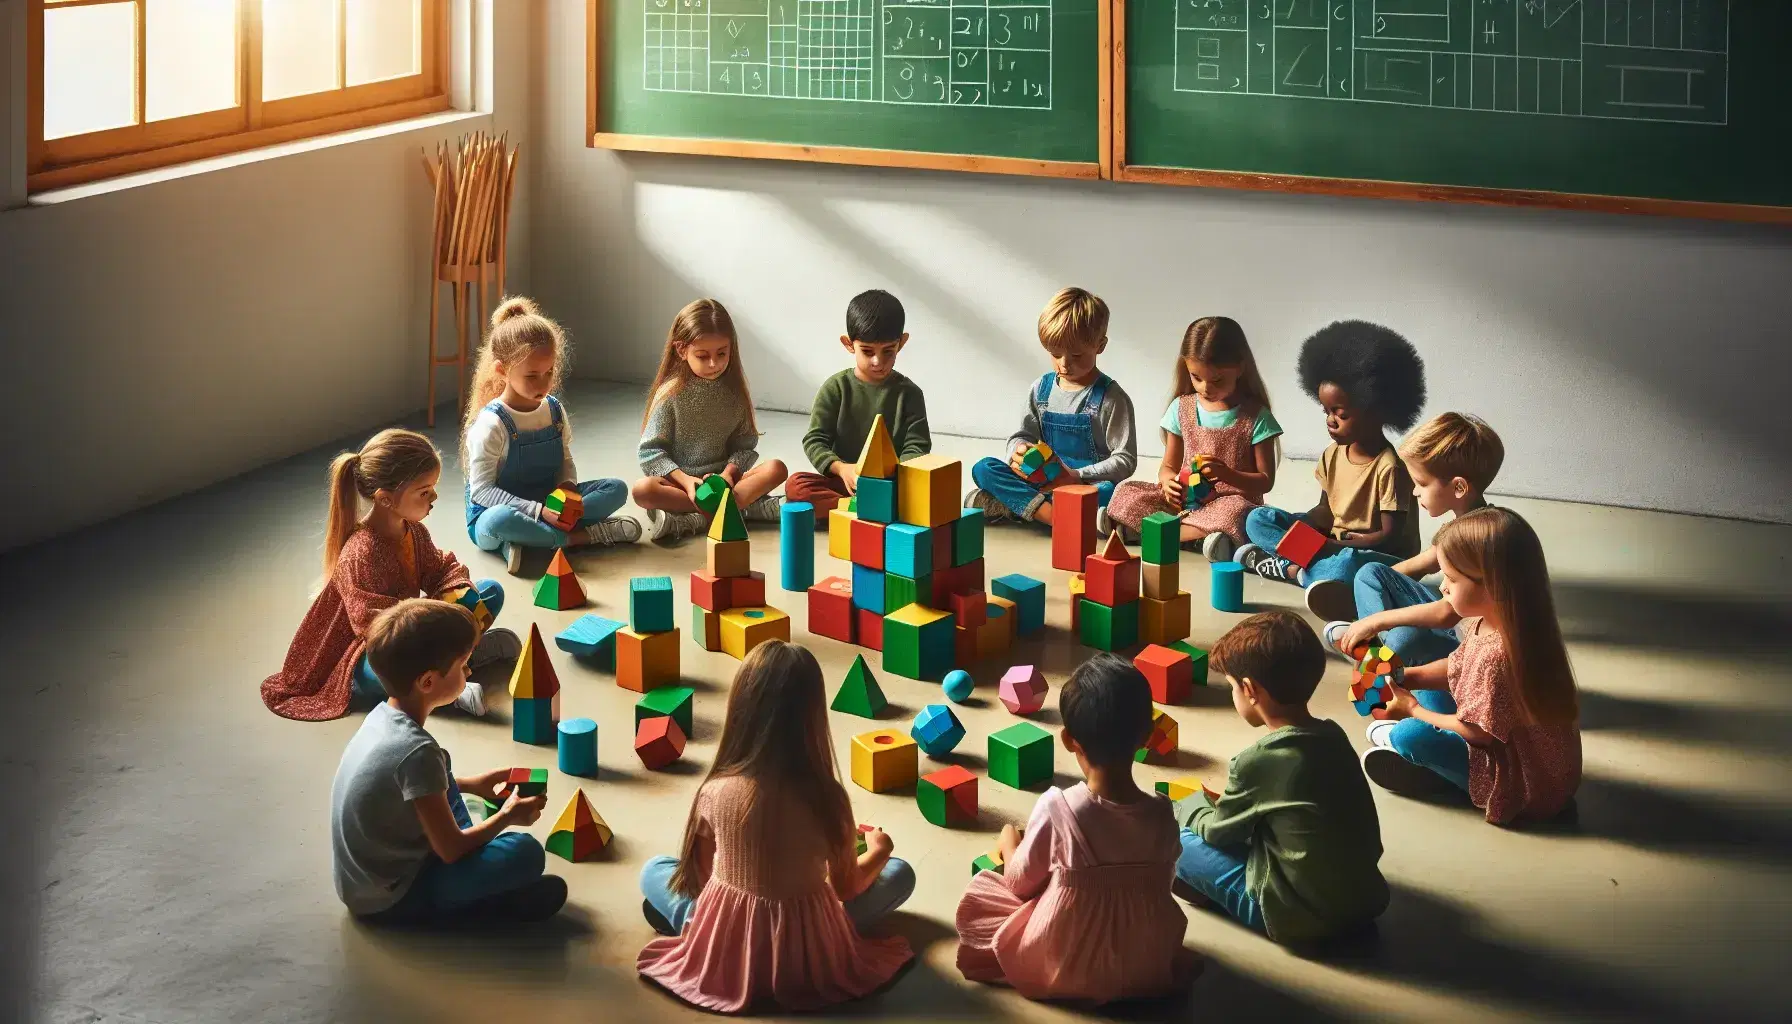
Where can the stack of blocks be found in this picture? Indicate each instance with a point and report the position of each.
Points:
(647, 651)
(1108, 616)
(728, 609)
(1376, 668)
(533, 691)
(1166, 609)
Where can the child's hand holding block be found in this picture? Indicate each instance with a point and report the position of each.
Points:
(1195, 488)
(563, 509)
(1377, 668)
(710, 493)
(1038, 464)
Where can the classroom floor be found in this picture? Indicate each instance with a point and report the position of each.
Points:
(181, 842)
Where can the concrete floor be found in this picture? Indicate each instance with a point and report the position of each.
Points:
(173, 835)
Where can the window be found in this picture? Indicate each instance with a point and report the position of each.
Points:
(122, 85)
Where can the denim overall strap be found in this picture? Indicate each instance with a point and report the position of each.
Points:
(1072, 434)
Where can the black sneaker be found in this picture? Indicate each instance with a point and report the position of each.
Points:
(1265, 564)
(1387, 769)
(537, 901)
(1332, 600)
(656, 919)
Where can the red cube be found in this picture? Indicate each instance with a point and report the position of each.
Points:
(1170, 672)
(710, 592)
(831, 610)
(867, 542)
(871, 628)
(1301, 544)
(942, 547)
(1111, 581)
(747, 591)
(659, 741)
(970, 610)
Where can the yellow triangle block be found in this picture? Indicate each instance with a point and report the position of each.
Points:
(533, 677)
(879, 456)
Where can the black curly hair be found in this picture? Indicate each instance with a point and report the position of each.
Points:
(1380, 370)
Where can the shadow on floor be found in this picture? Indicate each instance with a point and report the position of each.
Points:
(1758, 728)
(1654, 818)
(1653, 618)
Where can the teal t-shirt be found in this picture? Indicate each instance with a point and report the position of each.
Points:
(1265, 428)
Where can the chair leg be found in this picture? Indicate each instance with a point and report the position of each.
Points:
(435, 294)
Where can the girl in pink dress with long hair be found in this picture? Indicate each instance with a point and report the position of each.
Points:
(1083, 909)
(764, 903)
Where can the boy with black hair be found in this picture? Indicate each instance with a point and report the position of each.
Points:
(848, 402)
(1292, 846)
(1368, 379)
(406, 851)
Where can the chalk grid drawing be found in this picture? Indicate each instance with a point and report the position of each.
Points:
(987, 53)
(1650, 60)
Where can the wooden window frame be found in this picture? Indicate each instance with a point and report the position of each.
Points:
(252, 123)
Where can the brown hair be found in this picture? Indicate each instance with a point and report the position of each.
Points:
(701, 319)
(1276, 650)
(1072, 315)
(517, 330)
(1496, 548)
(1456, 445)
(776, 733)
(1219, 341)
(389, 461)
(416, 636)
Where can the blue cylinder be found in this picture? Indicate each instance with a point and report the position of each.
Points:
(1228, 587)
(796, 545)
(578, 747)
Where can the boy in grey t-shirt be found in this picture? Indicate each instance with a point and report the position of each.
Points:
(404, 847)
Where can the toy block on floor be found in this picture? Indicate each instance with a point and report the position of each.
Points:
(840, 533)
(1021, 756)
(1169, 672)
(1227, 587)
(562, 509)
(918, 642)
(1197, 660)
(1179, 788)
(870, 626)
(675, 701)
(908, 550)
(650, 604)
(578, 747)
(591, 637)
(878, 458)
(948, 797)
(706, 628)
(468, 598)
(991, 861)
(1301, 544)
(528, 781)
(876, 499)
(728, 524)
(710, 492)
(1028, 595)
(901, 591)
(532, 720)
(1161, 582)
(884, 760)
(1023, 689)
(831, 611)
(559, 589)
(796, 547)
(867, 589)
(728, 559)
(1375, 667)
(646, 660)
(996, 635)
(969, 610)
(937, 730)
(1112, 575)
(746, 628)
(1108, 628)
(869, 546)
(859, 693)
(1160, 539)
(1073, 525)
(1160, 745)
(658, 741)
(533, 676)
(1079, 590)
(928, 489)
(1161, 622)
(579, 833)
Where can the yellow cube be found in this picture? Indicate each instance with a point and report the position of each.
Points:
(646, 660)
(884, 760)
(1176, 789)
(746, 628)
(928, 490)
(1079, 588)
(1164, 622)
(730, 558)
(840, 534)
(1162, 582)
(996, 634)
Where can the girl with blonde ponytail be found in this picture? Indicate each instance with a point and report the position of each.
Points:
(517, 445)
(371, 563)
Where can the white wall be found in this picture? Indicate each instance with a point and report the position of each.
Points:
(1630, 361)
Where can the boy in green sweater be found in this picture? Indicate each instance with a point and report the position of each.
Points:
(850, 400)
(1292, 846)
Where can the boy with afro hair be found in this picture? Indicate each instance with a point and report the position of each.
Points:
(1368, 379)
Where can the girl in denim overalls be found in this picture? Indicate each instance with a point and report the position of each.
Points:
(518, 446)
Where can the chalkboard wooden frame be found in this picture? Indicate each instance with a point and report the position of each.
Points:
(852, 155)
(1363, 188)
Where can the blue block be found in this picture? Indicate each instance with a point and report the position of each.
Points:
(532, 721)
(578, 747)
(1228, 586)
(877, 499)
(967, 537)
(908, 550)
(796, 545)
(937, 730)
(650, 604)
(592, 637)
(1028, 595)
(867, 589)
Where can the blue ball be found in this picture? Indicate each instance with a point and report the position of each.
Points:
(959, 685)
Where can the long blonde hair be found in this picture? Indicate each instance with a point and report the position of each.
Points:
(701, 319)
(389, 461)
(1220, 341)
(518, 330)
(776, 733)
(1496, 548)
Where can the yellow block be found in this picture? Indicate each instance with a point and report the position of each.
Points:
(1162, 582)
(996, 635)
(1079, 587)
(746, 628)
(884, 760)
(1160, 745)
(1187, 785)
(840, 534)
(928, 491)
(1164, 622)
(878, 458)
(917, 615)
(646, 660)
(730, 558)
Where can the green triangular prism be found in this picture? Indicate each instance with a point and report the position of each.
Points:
(728, 523)
(859, 694)
(560, 844)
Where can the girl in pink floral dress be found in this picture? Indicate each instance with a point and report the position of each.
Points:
(765, 901)
(1083, 909)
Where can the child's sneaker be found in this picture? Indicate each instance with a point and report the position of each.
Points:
(1269, 566)
(498, 644)
(1217, 547)
(1104, 525)
(472, 698)
(769, 509)
(605, 532)
(675, 526)
(513, 558)
(536, 901)
(1334, 632)
(993, 510)
(1386, 768)
(1331, 599)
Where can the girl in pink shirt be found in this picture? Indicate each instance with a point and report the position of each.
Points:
(1083, 909)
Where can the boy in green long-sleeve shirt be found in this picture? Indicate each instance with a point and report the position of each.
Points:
(1292, 846)
(849, 401)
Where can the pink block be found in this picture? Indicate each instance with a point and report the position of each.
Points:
(1023, 690)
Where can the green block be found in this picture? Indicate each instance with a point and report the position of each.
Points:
(673, 701)
(711, 492)
(1021, 755)
(733, 525)
(1197, 655)
(1161, 536)
(1109, 629)
(650, 604)
(859, 694)
(852, 504)
(900, 591)
(967, 537)
(985, 862)
(918, 652)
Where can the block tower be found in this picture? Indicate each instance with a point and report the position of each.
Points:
(728, 609)
(917, 589)
(1165, 610)
(647, 651)
(1108, 614)
(534, 693)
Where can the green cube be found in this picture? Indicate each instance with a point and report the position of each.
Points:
(918, 643)
(985, 862)
(1161, 535)
(1109, 629)
(1021, 755)
(967, 537)
(1197, 655)
(650, 604)
(672, 701)
(900, 591)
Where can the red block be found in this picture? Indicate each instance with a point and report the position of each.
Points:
(748, 591)
(1111, 581)
(871, 629)
(1300, 544)
(1073, 525)
(867, 542)
(1170, 673)
(942, 547)
(659, 741)
(720, 593)
(831, 610)
(970, 610)
(959, 579)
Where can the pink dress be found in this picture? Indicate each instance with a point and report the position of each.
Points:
(1084, 909)
(1532, 770)
(768, 925)
(1225, 510)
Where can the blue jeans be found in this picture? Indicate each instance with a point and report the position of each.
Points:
(366, 690)
(1379, 588)
(442, 892)
(891, 890)
(1218, 875)
(501, 524)
(1266, 525)
(1426, 745)
(1001, 482)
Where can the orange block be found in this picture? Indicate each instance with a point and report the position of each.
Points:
(646, 660)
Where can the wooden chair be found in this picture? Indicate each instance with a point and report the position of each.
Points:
(473, 183)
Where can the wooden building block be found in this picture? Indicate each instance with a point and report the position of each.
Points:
(1160, 539)
(706, 628)
(528, 781)
(991, 861)
(878, 458)
(900, 591)
(943, 541)
(840, 533)
(1023, 689)
(580, 833)
(532, 720)
(746, 628)
(969, 610)
(1160, 745)
(884, 760)
(470, 599)
(1196, 489)
(796, 547)
(959, 579)
(591, 637)
(562, 509)
(1161, 581)
(1226, 587)
(658, 741)
(936, 730)
(876, 499)
(927, 490)
(1169, 672)
(1112, 575)
(1021, 755)
(1109, 628)
(870, 627)
(859, 693)
(710, 492)
(1179, 788)
(1073, 525)
(578, 747)
(646, 660)
(559, 588)
(948, 797)
(967, 536)
(830, 610)
(996, 634)
(676, 701)
(918, 642)
(533, 675)
(908, 550)
(728, 524)
(1161, 622)
(1028, 595)
(867, 588)
(1197, 659)
(868, 543)
(729, 558)
(1301, 544)
(650, 604)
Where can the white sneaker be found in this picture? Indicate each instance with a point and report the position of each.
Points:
(1377, 733)
(674, 526)
(498, 644)
(472, 699)
(1103, 525)
(513, 558)
(605, 533)
(1333, 632)
(769, 509)
(1217, 547)
(993, 510)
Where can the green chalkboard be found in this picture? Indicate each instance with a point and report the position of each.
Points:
(1660, 100)
(1014, 80)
